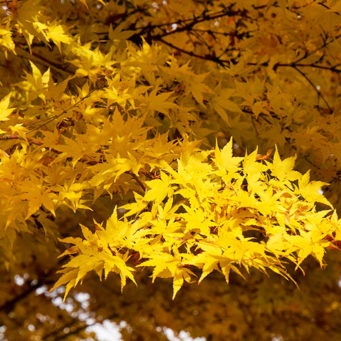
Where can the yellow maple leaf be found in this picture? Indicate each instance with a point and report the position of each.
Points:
(311, 190)
(224, 158)
(159, 189)
(4, 111)
(159, 102)
(283, 170)
(57, 34)
(6, 40)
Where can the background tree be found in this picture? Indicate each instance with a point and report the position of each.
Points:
(117, 164)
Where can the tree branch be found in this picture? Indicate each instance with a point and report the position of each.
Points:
(326, 43)
(138, 181)
(192, 54)
(319, 94)
(52, 118)
(9, 305)
(188, 27)
(58, 330)
(44, 61)
(81, 328)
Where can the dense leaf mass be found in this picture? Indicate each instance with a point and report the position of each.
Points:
(195, 140)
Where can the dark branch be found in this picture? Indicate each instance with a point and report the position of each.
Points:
(9, 305)
(192, 54)
(52, 118)
(319, 94)
(58, 330)
(197, 20)
(44, 61)
(325, 43)
(81, 328)
(138, 181)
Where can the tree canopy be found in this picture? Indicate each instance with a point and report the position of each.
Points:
(147, 147)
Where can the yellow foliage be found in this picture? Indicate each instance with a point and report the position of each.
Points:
(203, 215)
(157, 104)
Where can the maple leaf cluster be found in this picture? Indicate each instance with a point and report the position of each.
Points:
(214, 212)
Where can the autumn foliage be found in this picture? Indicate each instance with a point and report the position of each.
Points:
(145, 140)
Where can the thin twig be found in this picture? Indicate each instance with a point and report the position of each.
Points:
(50, 119)
(44, 61)
(180, 21)
(319, 94)
(138, 181)
(195, 21)
(17, 137)
(326, 43)
(192, 54)
(314, 66)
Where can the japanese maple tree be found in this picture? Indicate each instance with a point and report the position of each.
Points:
(177, 142)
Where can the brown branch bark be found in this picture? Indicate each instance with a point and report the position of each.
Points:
(9, 305)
